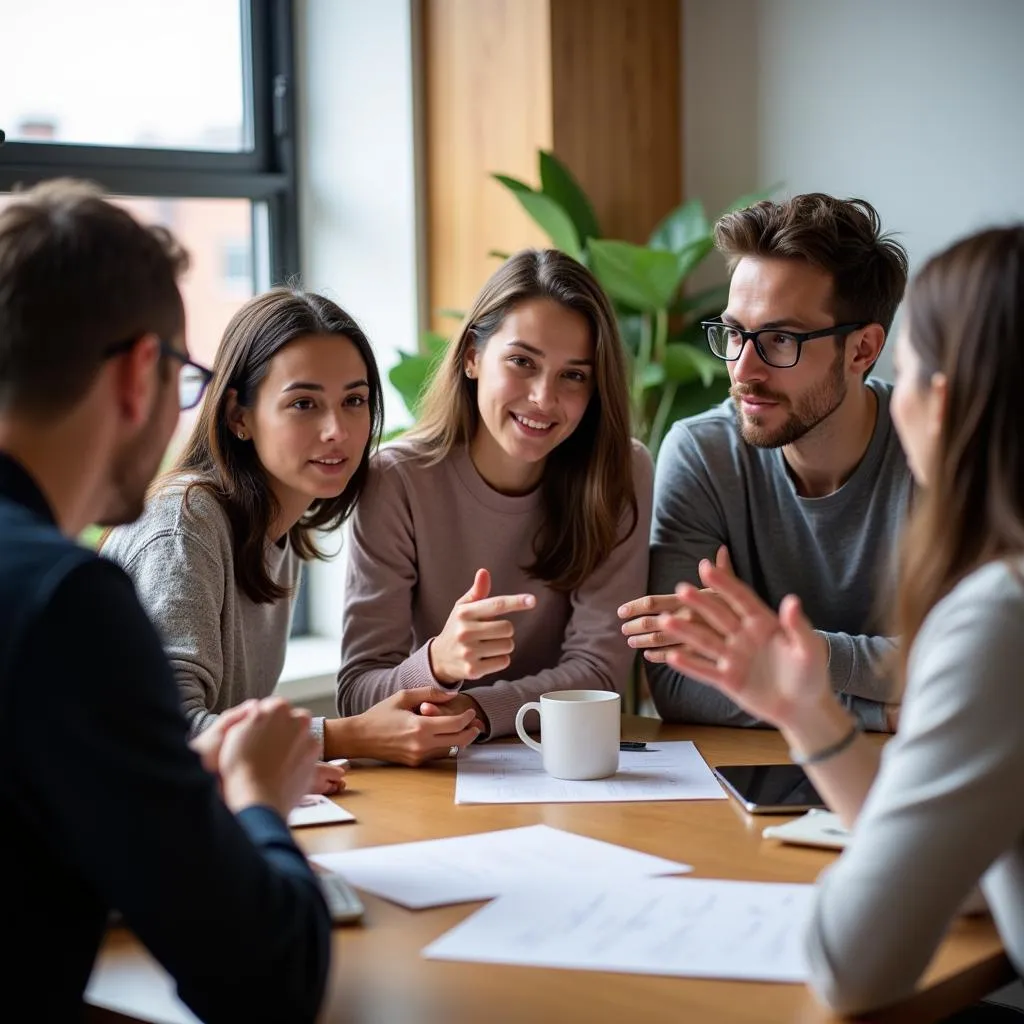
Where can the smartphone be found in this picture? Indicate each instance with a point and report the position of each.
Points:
(769, 788)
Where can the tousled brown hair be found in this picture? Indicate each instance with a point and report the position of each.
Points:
(587, 484)
(230, 469)
(78, 275)
(965, 320)
(842, 237)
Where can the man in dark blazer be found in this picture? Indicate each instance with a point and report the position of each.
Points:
(105, 806)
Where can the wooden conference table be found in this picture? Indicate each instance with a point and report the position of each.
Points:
(379, 977)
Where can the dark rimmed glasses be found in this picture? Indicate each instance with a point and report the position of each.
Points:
(192, 380)
(780, 349)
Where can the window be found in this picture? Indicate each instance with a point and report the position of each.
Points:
(185, 112)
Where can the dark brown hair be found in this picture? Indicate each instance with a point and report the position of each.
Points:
(965, 320)
(230, 469)
(843, 237)
(77, 276)
(587, 485)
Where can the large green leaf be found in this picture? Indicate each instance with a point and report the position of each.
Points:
(682, 227)
(434, 344)
(653, 375)
(710, 301)
(644, 279)
(630, 327)
(692, 255)
(693, 398)
(409, 377)
(557, 181)
(685, 363)
(547, 214)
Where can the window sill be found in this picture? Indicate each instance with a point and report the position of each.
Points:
(310, 669)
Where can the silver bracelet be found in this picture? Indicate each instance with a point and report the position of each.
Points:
(829, 752)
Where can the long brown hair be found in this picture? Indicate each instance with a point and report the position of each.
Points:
(587, 484)
(965, 314)
(231, 470)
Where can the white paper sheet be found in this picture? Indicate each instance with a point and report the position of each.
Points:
(317, 810)
(815, 828)
(436, 872)
(699, 928)
(513, 774)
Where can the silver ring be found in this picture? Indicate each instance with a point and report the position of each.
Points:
(453, 750)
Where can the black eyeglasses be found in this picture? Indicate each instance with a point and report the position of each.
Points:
(192, 380)
(780, 349)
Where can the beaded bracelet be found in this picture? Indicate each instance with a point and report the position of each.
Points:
(828, 752)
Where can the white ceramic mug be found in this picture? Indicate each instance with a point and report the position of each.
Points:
(580, 731)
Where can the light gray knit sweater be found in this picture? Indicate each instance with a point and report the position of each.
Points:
(222, 646)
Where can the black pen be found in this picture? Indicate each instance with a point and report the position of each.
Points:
(632, 745)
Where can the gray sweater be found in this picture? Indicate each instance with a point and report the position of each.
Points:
(945, 810)
(222, 646)
(420, 533)
(835, 552)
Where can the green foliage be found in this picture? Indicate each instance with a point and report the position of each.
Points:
(91, 536)
(672, 374)
(410, 375)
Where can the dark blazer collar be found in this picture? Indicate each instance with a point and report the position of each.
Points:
(16, 485)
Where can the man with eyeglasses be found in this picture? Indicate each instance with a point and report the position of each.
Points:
(798, 479)
(105, 806)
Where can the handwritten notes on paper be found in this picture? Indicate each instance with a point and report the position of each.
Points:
(460, 869)
(507, 774)
(697, 928)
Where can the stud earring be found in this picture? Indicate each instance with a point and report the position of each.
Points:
(241, 435)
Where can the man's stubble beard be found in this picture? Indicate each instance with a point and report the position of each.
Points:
(132, 471)
(811, 409)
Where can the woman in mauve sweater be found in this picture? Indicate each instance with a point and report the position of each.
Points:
(942, 812)
(495, 541)
(279, 453)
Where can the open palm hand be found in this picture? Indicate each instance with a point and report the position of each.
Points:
(771, 665)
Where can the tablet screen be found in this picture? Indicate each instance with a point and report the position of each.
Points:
(771, 785)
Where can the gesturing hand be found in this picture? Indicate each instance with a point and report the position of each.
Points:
(642, 630)
(474, 641)
(771, 665)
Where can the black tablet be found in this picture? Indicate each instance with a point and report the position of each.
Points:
(769, 788)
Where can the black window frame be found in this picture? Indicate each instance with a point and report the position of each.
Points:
(266, 174)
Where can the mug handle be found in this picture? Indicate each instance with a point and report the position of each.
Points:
(521, 729)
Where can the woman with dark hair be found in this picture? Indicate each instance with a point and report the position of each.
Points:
(518, 492)
(942, 812)
(280, 451)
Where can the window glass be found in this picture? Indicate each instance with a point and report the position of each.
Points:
(143, 73)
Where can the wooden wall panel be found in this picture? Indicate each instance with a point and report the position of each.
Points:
(616, 107)
(487, 79)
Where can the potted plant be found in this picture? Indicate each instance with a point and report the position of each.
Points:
(672, 374)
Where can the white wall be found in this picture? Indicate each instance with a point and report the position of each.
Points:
(357, 167)
(915, 105)
(357, 129)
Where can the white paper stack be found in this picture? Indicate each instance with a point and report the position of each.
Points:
(461, 869)
(510, 774)
(698, 928)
